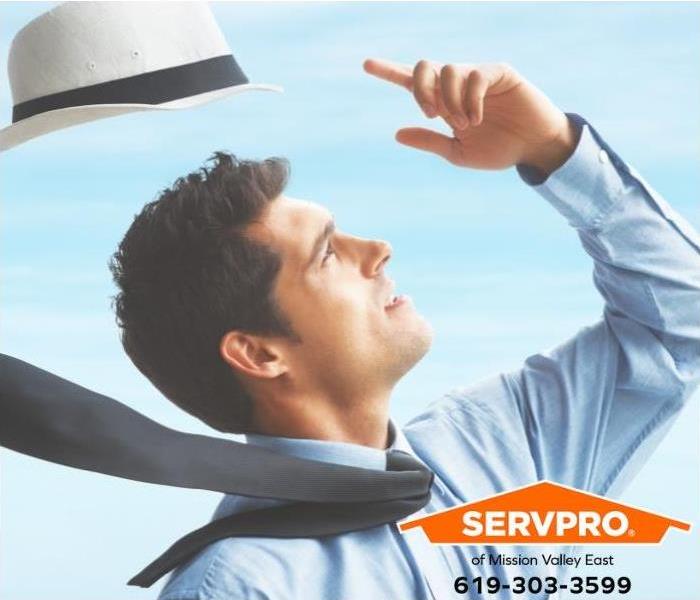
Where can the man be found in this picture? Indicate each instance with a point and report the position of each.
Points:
(254, 312)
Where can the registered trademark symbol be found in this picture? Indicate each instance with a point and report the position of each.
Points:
(631, 532)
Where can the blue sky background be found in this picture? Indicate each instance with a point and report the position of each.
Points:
(496, 270)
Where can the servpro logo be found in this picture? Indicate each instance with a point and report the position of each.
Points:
(544, 513)
(553, 522)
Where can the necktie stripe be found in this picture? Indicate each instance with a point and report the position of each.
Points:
(299, 520)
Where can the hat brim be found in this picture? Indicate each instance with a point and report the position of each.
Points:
(53, 120)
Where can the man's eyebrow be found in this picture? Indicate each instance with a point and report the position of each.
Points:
(320, 240)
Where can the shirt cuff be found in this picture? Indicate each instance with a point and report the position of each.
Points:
(585, 188)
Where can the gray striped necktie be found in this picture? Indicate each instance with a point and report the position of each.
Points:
(48, 417)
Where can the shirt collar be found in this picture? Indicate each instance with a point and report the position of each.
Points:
(342, 453)
(352, 455)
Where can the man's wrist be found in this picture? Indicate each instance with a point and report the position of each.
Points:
(548, 157)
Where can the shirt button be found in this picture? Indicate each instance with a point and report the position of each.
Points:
(603, 157)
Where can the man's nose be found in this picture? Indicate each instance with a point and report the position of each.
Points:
(378, 254)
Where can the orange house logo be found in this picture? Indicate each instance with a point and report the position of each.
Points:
(544, 513)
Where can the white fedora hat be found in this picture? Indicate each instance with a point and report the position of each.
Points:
(83, 61)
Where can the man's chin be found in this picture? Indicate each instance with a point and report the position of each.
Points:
(427, 335)
(413, 343)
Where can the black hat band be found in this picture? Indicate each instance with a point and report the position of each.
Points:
(154, 87)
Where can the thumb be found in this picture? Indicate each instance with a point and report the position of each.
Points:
(429, 141)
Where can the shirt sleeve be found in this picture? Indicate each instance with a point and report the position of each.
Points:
(593, 408)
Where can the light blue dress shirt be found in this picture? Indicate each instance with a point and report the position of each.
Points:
(585, 413)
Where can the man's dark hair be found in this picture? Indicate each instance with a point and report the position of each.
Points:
(187, 274)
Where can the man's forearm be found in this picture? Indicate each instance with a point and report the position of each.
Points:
(548, 158)
(646, 263)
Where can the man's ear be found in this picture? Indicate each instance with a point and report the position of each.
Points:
(251, 354)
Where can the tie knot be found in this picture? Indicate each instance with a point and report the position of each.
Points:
(399, 460)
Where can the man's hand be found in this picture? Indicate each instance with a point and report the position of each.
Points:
(498, 119)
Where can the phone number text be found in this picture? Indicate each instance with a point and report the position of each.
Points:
(543, 585)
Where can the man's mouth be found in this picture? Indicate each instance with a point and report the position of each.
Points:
(395, 301)
(392, 300)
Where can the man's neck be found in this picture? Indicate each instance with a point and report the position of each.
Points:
(364, 423)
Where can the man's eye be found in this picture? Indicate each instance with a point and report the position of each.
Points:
(329, 252)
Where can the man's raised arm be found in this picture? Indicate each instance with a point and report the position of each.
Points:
(595, 406)
(589, 411)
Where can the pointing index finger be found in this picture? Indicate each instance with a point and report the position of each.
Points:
(390, 71)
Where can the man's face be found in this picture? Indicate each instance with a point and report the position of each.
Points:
(333, 289)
